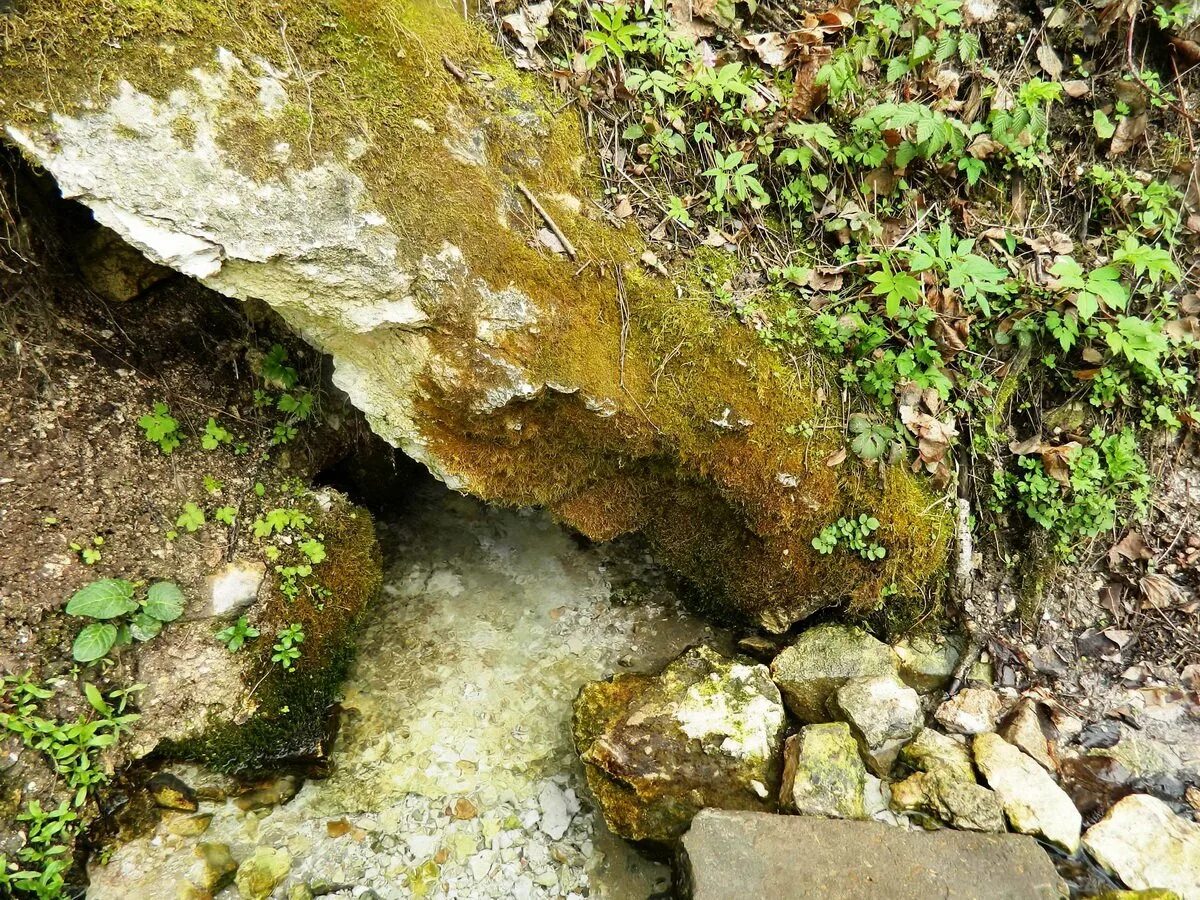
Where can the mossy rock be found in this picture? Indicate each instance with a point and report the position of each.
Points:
(377, 198)
(286, 713)
(706, 732)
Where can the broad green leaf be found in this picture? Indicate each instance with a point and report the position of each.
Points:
(1086, 304)
(104, 599)
(144, 626)
(164, 601)
(94, 641)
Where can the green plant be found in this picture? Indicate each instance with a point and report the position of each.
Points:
(225, 514)
(161, 428)
(89, 554)
(614, 36)
(236, 635)
(733, 181)
(287, 646)
(871, 440)
(191, 519)
(120, 617)
(214, 435)
(276, 371)
(854, 534)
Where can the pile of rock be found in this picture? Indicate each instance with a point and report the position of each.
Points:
(875, 740)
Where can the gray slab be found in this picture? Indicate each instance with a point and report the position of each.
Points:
(746, 856)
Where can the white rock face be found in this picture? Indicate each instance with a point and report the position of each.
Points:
(234, 587)
(971, 711)
(1033, 803)
(1146, 845)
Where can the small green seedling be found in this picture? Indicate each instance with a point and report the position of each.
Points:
(287, 646)
(161, 428)
(235, 636)
(121, 617)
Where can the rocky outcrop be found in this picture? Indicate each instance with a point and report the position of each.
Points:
(378, 176)
(707, 731)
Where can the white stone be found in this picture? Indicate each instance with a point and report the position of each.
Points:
(1146, 845)
(883, 713)
(1032, 802)
(971, 711)
(234, 587)
(556, 818)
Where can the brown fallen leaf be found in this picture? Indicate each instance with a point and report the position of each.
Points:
(1159, 591)
(1056, 462)
(1132, 547)
(982, 148)
(1076, 88)
(836, 458)
(623, 209)
(529, 23)
(1187, 328)
(1129, 131)
(825, 278)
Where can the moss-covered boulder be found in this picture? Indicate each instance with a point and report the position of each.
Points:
(706, 732)
(377, 172)
(823, 774)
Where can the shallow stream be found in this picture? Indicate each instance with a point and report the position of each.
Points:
(453, 772)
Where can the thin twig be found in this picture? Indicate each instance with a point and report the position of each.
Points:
(541, 211)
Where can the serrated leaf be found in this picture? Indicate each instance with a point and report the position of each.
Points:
(164, 601)
(94, 641)
(104, 599)
(1086, 305)
(144, 626)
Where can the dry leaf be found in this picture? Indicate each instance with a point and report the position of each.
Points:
(825, 278)
(1183, 329)
(1118, 636)
(623, 209)
(528, 23)
(550, 241)
(1159, 592)
(1076, 88)
(1055, 460)
(1129, 131)
(1131, 547)
(836, 458)
(769, 47)
(1027, 447)
(1049, 61)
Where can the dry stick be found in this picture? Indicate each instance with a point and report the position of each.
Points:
(541, 211)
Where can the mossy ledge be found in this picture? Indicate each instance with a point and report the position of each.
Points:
(365, 168)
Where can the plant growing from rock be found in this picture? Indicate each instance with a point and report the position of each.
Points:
(122, 616)
(854, 535)
(234, 637)
(287, 646)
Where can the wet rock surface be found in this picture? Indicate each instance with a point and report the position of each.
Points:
(823, 774)
(971, 711)
(1145, 844)
(728, 855)
(707, 731)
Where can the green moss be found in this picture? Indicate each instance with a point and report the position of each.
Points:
(291, 708)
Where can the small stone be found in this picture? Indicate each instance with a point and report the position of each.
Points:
(464, 809)
(927, 662)
(883, 714)
(823, 659)
(259, 875)
(278, 792)
(171, 792)
(823, 774)
(1146, 845)
(970, 711)
(556, 818)
(964, 805)
(216, 867)
(1033, 803)
(932, 751)
(300, 891)
(233, 587)
(1076, 88)
(189, 826)
(1024, 731)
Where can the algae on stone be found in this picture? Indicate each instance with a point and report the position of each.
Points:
(823, 659)
(707, 731)
(337, 170)
(823, 774)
